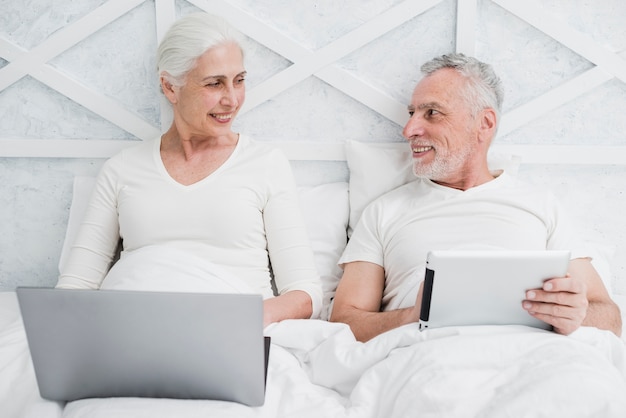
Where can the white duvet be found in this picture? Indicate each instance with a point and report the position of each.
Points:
(317, 369)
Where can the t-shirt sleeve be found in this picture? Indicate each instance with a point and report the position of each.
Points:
(563, 234)
(365, 243)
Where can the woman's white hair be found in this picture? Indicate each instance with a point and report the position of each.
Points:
(484, 89)
(187, 39)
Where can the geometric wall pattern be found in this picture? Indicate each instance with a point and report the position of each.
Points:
(88, 58)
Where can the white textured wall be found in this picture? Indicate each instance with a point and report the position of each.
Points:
(117, 62)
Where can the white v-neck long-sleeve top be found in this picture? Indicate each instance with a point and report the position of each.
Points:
(242, 216)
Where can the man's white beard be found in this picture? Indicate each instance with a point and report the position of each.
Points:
(443, 165)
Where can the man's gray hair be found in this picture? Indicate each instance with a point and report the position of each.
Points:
(484, 87)
(187, 39)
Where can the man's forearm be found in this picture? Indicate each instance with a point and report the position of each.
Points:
(367, 325)
(604, 315)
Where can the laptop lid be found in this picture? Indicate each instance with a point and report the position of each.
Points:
(485, 287)
(113, 343)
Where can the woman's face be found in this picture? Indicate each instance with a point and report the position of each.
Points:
(213, 93)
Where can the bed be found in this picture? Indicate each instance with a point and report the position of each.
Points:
(317, 369)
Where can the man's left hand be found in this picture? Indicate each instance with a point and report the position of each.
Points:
(562, 303)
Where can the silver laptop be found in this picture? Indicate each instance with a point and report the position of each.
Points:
(485, 287)
(113, 343)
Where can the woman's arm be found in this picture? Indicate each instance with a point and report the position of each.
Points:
(97, 240)
(291, 257)
(291, 305)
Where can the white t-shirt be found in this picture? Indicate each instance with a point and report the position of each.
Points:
(397, 230)
(240, 217)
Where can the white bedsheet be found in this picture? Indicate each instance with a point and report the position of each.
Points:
(317, 369)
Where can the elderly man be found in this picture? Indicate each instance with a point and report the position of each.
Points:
(456, 201)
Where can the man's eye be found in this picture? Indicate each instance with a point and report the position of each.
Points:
(432, 112)
(411, 113)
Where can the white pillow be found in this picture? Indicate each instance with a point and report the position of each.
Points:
(325, 210)
(376, 168)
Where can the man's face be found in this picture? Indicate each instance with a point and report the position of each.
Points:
(441, 130)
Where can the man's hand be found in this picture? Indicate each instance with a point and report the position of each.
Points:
(562, 303)
(578, 299)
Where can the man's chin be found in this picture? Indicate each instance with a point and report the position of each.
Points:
(422, 172)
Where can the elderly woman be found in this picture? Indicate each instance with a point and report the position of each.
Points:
(201, 200)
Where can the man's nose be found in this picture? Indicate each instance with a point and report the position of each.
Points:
(414, 127)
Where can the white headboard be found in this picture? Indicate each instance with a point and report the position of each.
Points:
(74, 90)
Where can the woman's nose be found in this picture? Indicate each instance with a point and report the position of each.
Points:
(230, 97)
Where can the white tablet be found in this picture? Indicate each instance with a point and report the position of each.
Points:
(485, 287)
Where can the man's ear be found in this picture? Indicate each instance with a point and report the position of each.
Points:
(169, 90)
(488, 124)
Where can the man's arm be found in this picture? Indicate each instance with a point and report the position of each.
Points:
(358, 299)
(579, 299)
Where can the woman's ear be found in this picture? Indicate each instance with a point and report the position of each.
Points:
(169, 90)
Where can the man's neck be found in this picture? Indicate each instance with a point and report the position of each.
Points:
(466, 182)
